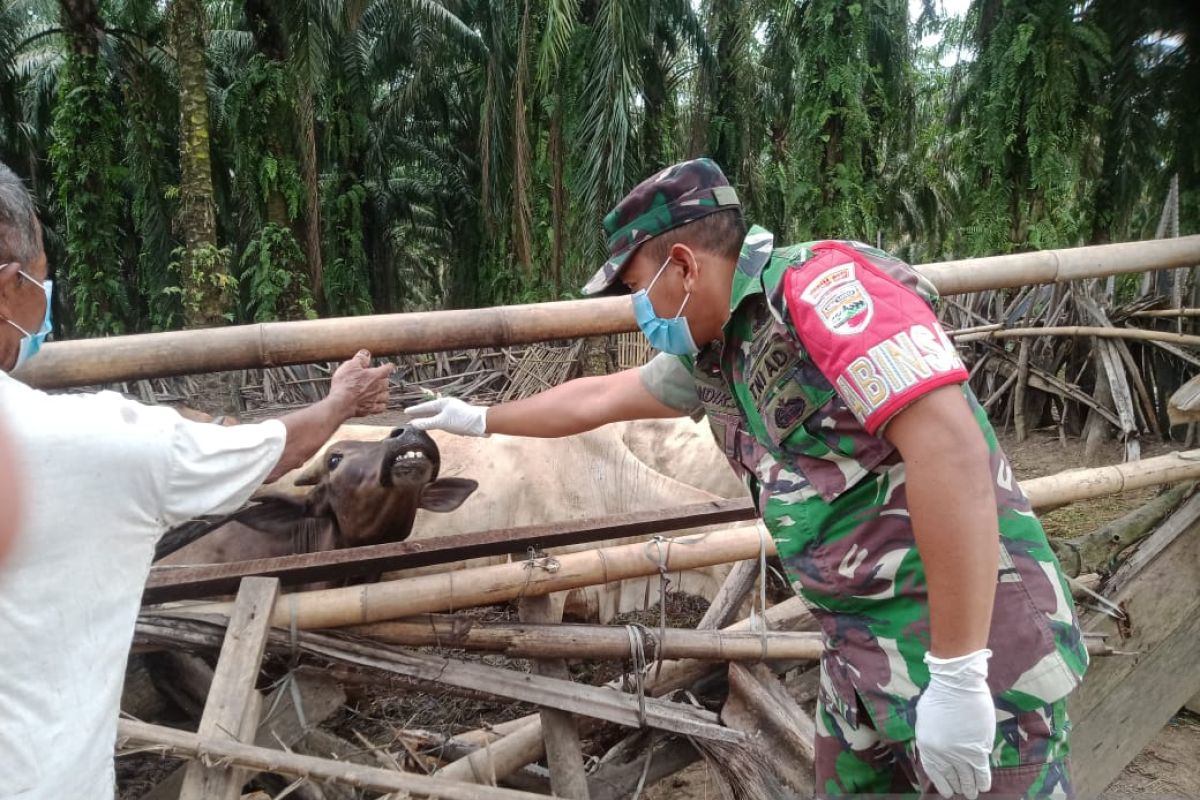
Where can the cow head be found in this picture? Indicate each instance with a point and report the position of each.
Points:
(367, 492)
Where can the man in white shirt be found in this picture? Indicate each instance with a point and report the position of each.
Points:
(10, 493)
(102, 478)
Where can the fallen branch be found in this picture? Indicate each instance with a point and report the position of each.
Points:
(211, 751)
(1083, 330)
(1168, 313)
(1097, 551)
(576, 698)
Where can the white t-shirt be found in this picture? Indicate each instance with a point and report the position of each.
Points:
(104, 478)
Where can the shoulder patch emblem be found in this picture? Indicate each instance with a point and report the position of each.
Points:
(840, 300)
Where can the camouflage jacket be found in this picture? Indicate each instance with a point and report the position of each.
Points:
(826, 341)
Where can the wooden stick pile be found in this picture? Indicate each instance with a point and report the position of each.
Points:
(735, 693)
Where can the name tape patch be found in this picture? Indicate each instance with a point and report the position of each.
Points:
(894, 366)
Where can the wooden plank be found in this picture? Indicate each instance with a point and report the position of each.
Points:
(563, 751)
(791, 614)
(280, 724)
(582, 699)
(239, 776)
(192, 745)
(1124, 702)
(181, 583)
(759, 706)
(618, 780)
(724, 606)
(233, 688)
(577, 698)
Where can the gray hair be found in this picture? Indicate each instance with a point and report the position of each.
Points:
(20, 238)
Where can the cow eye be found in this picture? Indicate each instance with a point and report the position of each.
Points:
(334, 460)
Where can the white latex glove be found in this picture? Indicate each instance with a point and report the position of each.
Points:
(956, 725)
(451, 415)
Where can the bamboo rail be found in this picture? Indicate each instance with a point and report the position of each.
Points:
(187, 582)
(578, 641)
(447, 591)
(121, 358)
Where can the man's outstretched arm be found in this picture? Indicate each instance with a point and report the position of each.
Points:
(573, 407)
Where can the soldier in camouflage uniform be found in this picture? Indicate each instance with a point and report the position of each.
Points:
(830, 386)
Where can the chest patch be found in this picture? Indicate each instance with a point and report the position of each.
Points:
(840, 300)
(768, 365)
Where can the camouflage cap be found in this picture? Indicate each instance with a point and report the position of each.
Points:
(680, 194)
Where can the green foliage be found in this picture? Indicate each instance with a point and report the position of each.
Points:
(87, 180)
(347, 289)
(270, 264)
(1029, 99)
(465, 152)
(202, 279)
(258, 106)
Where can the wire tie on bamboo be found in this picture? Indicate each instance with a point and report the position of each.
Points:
(537, 559)
(761, 622)
(663, 583)
(637, 655)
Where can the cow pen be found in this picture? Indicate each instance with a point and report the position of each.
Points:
(1057, 352)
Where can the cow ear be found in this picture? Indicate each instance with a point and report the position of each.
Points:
(447, 494)
(312, 474)
(281, 514)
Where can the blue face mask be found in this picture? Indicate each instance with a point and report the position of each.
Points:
(32, 342)
(668, 335)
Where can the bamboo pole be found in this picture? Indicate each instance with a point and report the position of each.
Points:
(122, 358)
(564, 753)
(1059, 266)
(263, 759)
(563, 640)
(1167, 313)
(446, 591)
(599, 642)
(1083, 330)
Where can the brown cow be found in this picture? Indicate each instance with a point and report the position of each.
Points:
(361, 493)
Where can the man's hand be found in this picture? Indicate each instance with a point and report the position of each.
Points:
(358, 388)
(451, 415)
(956, 725)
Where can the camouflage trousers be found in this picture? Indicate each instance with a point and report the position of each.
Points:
(1029, 759)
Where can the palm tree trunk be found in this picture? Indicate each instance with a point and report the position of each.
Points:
(205, 272)
(312, 190)
(84, 158)
(558, 200)
(522, 213)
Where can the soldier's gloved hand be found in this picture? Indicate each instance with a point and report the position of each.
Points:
(451, 415)
(956, 725)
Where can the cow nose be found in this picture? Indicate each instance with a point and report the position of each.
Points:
(400, 431)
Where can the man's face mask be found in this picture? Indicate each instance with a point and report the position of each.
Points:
(32, 342)
(668, 335)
